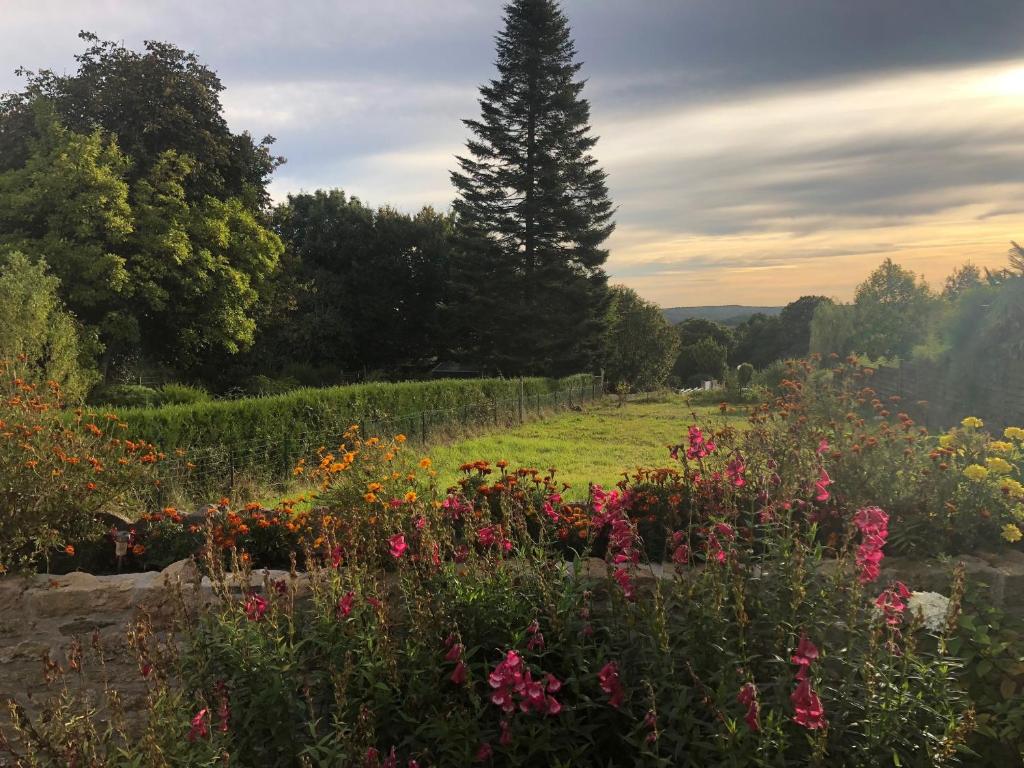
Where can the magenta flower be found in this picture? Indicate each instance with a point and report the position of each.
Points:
(608, 678)
(748, 698)
(483, 753)
(397, 545)
(806, 653)
(458, 676)
(735, 470)
(345, 603)
(890, 602)
(810, 713)
(821, 485)
(199, 728)
(255, 607)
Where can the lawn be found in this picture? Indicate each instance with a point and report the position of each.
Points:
(595, 445)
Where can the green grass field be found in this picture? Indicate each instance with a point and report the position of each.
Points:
(595, 445)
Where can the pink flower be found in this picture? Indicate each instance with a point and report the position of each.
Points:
(873, 525)
(454, 652)
(345, 603)
(255, 607)
(486, 536)
(419, 522)
(608, 678)
(199, 729)
(699, 446)
(806, 653)
(890, 602)
(823, 446)
(651, 723)
(735, 470)
(458, 676)
(810, 713)
(398, 545)
(748, 698)
(506, 733)
(536, 641)
(822, 484)
(483, 753)
(337, 555)
(625, 582)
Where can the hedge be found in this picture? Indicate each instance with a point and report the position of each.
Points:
(270, 433)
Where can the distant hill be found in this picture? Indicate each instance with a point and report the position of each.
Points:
(726, 314)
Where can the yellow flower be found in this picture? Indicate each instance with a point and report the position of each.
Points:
(973, 422)
(947, 440)
(1014, 433)
(425, 462)
(1012, 533)
(410, 496)
(999, 466)
(998, 446)
(1012, 487)
(975, 472)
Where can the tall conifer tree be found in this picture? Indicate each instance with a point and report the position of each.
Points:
(528, 286)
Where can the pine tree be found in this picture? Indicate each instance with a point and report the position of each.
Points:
(528, 287)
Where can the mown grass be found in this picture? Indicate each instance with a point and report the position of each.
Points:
(595, 445)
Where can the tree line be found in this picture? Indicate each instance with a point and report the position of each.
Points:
(122, 183)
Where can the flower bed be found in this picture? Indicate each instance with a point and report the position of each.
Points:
(470, 625)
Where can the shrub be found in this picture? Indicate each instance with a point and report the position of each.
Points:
(59, 469)
(181, 394)
(952, 493)
(125, 396)
(38, 337)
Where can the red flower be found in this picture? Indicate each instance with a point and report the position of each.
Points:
(822, 486)
(345, 603)
(608, 678)
(890, 602)
(748, 698)
(735, 470)
(255, 607)
(483, 753)
(397, 545)
(199, 728)
(806, 652)
(810, 713)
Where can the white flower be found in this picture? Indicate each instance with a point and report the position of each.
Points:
(931, 607)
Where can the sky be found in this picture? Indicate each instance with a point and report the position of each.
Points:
(757, 150)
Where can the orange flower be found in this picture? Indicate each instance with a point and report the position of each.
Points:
(400, 439)
(410, 497)
(369, 497)
(70, 550)
(138, 549)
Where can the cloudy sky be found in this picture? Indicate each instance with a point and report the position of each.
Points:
(757, 149)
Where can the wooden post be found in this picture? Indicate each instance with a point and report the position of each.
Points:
(522, 395)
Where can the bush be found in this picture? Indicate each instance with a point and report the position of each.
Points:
(39, 339)
(60, 469)
(125, 396)
(947, 494)
(181, 394)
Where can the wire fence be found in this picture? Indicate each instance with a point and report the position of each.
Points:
(204, 472)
